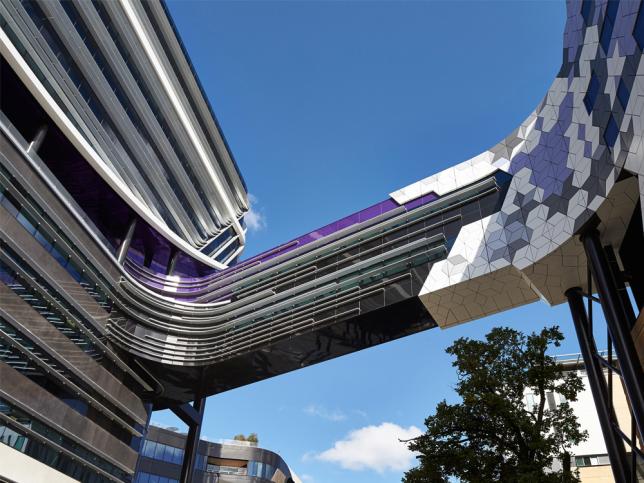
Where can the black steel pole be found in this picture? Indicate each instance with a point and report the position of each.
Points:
(614, 444)
(617, 319)
(192, 443)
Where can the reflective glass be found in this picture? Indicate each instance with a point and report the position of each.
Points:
(158, 451)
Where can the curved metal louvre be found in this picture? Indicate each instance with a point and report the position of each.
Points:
(138, 106)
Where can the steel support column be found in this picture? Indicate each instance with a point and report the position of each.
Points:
(620, 320)
(605, 413)
(193, 416)
(34, 145)
(125, 244)
(172, 260)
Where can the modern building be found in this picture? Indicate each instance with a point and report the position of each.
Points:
(590, 457)
(228, 461)
(122, 221)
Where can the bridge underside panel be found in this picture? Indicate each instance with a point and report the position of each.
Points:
(298, 351)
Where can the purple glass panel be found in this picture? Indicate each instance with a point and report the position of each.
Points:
(201, 282)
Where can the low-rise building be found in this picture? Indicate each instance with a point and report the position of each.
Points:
(590, 457)
(226, 461)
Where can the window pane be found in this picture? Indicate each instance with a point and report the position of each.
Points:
(149, 449)
(158, 451)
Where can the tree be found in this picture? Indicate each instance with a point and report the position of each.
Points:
(503, 429)
(251, 438)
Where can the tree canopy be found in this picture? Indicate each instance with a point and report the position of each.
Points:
(513, 420)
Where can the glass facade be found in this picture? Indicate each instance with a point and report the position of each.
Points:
(49, 244)
(162, 452)
(15, 423)
(62, 321)
(227, 460)
(144, 477)
(261, 470)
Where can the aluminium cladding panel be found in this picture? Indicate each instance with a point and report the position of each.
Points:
(175, 51)
(147, 169)
(59, 215)
(42, 406)
(570, 160)
(32, 253)
(136, 145)
(115, 140)
(69, 355)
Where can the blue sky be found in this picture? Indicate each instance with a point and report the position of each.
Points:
(328, 107)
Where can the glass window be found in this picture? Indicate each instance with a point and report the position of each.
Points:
(42, 240)
(148, 449)
(168, 453)
(172, 454)
(582, 461)
(22, 219)
(159, 451)
(9, 206)
(180, 456)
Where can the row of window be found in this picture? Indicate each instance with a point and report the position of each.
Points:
(48, 455)
(227, 470)
(180, 153)
(218, 241)
(162, 452)
(256, 469)
(598, 460)
(51, 457)
(261, 470)
(49, 378)
(52, 314)
(86, 91)
(171, 454)
(65, 261)
(552, 399)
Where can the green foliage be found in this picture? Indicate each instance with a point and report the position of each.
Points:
(251, 438)
(493, 434)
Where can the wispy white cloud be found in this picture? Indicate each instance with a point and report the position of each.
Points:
(361, 413)
(255, 218)
(307, 478)
(322, 412)
(309, 456)
(374, 448)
